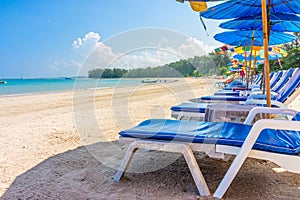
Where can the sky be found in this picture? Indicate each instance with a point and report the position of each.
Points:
(54, 38)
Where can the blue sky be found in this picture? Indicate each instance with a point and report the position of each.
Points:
(36, 36)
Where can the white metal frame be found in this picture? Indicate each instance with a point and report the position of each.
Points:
(180, 115)
(187, 115)
(289, 162)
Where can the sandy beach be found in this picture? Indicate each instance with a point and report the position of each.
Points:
(65, 146)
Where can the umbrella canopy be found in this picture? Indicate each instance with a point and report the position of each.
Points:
(275, 52)
(240, 8)
(258, 57)
(244, 38)
(198, 5)
(181, 1)
(280, 22)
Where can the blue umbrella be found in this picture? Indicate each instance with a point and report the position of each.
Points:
(244, 38)
(281, 22)
(240, 8)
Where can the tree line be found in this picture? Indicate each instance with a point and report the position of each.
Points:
(196, 66)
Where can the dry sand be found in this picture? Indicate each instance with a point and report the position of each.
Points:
(64, 146)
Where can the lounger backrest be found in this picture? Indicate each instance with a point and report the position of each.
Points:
(272, 74)
(285, 77)
(296, 117)
(292, 84)
(260, 79)
(256, 82)
(275, 78)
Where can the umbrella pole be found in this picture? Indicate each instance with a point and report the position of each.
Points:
(245, 54)
(254, 66)
(266, 44)
(249, 68)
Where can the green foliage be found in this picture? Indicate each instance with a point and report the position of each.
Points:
(107, 73)
(95, 73)
(196, 73)
(197, 66)
(223, 70)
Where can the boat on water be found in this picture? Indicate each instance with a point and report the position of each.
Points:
(3, 82)
(149, 81)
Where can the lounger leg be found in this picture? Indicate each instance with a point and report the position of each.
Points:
(239, 159)
(125, 162)
(229, 176)
(167, 147)
(195, 171)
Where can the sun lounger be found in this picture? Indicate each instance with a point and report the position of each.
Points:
(273, 81)
(276, 141)
(275, 78)
(285, 77)
(189, 111)
(196, 111)
(291, 85)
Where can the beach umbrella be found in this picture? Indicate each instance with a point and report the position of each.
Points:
(241, 8)
(245, 38)
(241, 58)
(279, 22)
(258, 54)
(251, 38)
(198, 5)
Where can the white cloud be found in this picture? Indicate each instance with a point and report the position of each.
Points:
(93, 53)
(77, 43)
(145, 58)
(103, 56)
(63, 68)
(86, 44)
(194, 47)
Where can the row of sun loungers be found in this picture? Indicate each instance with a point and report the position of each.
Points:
(266, 139)
(286, 87)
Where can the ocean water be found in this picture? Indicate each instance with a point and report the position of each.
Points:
(46, 85)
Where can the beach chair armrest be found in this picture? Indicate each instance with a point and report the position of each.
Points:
(260, 92)
(263, 102)
(247, 146)
(266, 110)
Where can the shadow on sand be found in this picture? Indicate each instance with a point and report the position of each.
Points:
(77, 174)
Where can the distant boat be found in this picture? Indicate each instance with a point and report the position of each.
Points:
(149, 81)
(3, 82)
(68, 78)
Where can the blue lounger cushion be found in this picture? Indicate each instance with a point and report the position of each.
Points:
(229, 93)
(224, 98)
(190, 107)
(275, 78)
(223, 133)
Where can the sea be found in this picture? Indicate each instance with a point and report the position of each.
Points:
(50, 85)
